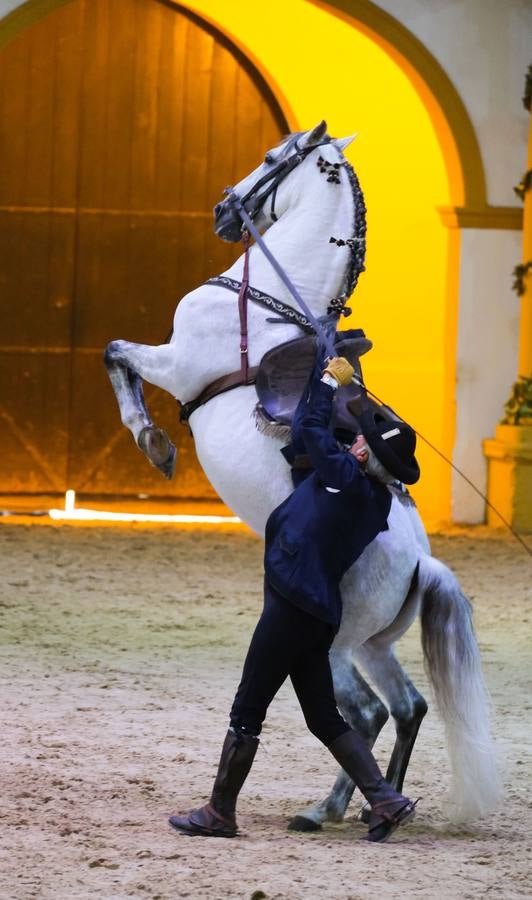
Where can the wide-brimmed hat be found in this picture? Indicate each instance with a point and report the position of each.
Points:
(393, 443)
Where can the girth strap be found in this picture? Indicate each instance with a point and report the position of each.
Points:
(220, 386)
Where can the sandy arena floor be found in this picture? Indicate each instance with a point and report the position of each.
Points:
(120, 652)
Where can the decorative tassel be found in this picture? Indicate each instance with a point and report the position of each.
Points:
(332, 170)
(350, 242)
(270, 427)
(337, 306)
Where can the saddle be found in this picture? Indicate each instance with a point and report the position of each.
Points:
(281, 378)
(283, 374)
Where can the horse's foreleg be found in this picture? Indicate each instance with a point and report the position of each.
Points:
(406, 704)
(362, 710)
(127, 364)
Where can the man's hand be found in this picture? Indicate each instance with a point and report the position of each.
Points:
(340, 368)
(359, 449)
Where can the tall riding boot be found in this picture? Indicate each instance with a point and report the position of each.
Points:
(217, 818)
(388, 808)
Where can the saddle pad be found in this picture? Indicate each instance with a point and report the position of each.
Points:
(284, 371)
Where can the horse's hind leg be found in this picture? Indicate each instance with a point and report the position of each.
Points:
(407, 706)
(126, 365)
(362, 710)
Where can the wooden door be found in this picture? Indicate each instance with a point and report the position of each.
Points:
(120, 123)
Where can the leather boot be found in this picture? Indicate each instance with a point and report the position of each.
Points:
(388, 808)
(217, 818)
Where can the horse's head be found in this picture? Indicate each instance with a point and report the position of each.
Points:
(267, 181)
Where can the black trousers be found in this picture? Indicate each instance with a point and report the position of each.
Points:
(288, 642)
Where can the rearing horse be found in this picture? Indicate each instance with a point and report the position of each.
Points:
(301, 195)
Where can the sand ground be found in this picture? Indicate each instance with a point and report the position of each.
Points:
(119, 655)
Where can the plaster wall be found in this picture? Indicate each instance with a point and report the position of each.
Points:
(7, 6)
(485, 48)
(487, 352)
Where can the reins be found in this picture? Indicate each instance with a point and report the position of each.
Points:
(247, 376)
(328, 344)
(329, 347)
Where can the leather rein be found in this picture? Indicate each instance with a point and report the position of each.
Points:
(247, 374)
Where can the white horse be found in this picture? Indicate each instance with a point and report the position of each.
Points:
(301, 195)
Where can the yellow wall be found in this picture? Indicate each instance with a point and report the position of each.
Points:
(321, 67)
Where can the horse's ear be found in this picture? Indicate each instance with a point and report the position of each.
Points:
(342, 143)
(317, 134)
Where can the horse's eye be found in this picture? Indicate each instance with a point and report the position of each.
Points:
(269, 159)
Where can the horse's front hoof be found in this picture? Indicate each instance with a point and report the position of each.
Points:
(158, 448)
(300, 823)
(168, 468)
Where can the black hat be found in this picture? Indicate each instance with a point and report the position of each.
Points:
(393, 443)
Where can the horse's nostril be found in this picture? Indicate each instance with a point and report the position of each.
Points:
(217, 208)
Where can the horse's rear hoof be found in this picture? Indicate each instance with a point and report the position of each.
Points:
(158, 448)
(300, 823)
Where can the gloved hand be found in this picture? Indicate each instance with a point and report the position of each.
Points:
(340, 368)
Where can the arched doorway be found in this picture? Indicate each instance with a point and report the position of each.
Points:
(419, 165)
(120, 122)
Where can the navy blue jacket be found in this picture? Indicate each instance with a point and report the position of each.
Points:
(316, 534)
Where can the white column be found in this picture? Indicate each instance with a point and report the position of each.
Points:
(7, 6)
(487, 352)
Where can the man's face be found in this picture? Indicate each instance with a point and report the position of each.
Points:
(359, 449)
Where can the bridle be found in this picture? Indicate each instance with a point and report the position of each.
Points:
(273, 179)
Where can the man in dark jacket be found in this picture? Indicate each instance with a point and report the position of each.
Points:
(312, 539)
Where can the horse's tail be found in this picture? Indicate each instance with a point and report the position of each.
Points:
(452, 661)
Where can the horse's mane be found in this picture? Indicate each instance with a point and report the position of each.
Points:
(358, 245)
